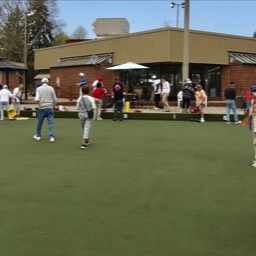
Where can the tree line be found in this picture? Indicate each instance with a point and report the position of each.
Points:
(33, 24)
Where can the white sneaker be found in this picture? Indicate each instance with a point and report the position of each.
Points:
(99, 118)
(238, 122)
(37, 137)
(228, 122)
(52, 139)
(254, 165)
(254, 142)
(202, 120)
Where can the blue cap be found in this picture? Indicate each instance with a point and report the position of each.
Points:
(253, 88)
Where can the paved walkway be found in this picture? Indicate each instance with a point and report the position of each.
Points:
(208, 110)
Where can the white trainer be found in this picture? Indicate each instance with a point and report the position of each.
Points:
(52, 139)
(254, 164)
(37, 137)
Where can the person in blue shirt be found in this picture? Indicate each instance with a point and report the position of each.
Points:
(82, 82)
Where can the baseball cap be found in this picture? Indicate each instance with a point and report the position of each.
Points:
(188, 81)
(81, 74)
(45, 80)
(153, 77)
(253, 88)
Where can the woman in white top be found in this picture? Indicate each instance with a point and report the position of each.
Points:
(84, 104)
(17, 93)
(166, 89)
(5, 96)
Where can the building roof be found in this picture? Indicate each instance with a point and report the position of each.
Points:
(244, 58)
(9, 65)
(83, 60)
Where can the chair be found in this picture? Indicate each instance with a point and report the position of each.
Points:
(179, 98)
(146, 95)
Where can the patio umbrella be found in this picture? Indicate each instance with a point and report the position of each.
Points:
(128, 65)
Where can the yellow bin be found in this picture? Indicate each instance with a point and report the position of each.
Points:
(127, 106)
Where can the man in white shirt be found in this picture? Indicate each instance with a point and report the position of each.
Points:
(5, 97)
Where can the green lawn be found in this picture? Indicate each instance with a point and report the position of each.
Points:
(143, 188)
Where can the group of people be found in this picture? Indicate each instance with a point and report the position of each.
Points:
(7, 97)
(86, 104)
(162, 89)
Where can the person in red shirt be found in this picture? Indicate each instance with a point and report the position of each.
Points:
(98, 94)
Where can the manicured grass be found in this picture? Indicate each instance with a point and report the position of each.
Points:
(143, 188)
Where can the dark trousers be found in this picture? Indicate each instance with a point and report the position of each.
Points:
(118, 113)
(185, 103)
(157, 99)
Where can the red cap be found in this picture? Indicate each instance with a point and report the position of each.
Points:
(100, 79)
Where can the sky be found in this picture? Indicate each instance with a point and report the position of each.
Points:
(235, 17)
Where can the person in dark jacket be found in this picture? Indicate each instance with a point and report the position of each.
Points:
(118, 100)
(187, 95)
(230, 95)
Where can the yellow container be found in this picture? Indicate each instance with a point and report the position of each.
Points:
(127, 106)
(11, 112)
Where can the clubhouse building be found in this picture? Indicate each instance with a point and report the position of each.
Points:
(214, 60)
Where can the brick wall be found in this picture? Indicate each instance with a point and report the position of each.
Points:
(243, 75)
(14, 79)
(69, 77)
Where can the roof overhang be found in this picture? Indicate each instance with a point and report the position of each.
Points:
(245, 58)
(84, 60)
(41, 76)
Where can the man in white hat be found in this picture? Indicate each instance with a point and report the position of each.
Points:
(46, 100)
(5, 97)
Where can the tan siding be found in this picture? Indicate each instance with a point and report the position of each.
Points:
(154, 46)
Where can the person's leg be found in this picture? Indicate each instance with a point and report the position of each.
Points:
(233, 107)
(254, 141)
(228, 111)
(50, 118)
(157, 100)
(165, 101)
(99, 109)
(86, 131)
(16, 107)
(40, 120)
(2, 110)
(188, 105)
(115, 110)
(201, 112)
(121, 104)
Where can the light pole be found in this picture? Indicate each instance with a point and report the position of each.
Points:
(185, 65)
(172, 5)
(27, 14)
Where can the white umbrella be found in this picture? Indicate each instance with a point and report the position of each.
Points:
(128, 65)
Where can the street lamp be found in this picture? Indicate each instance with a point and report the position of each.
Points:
(172, 5)
(27, 14)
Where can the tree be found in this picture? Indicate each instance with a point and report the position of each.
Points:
(60, 39)
(80, 33)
